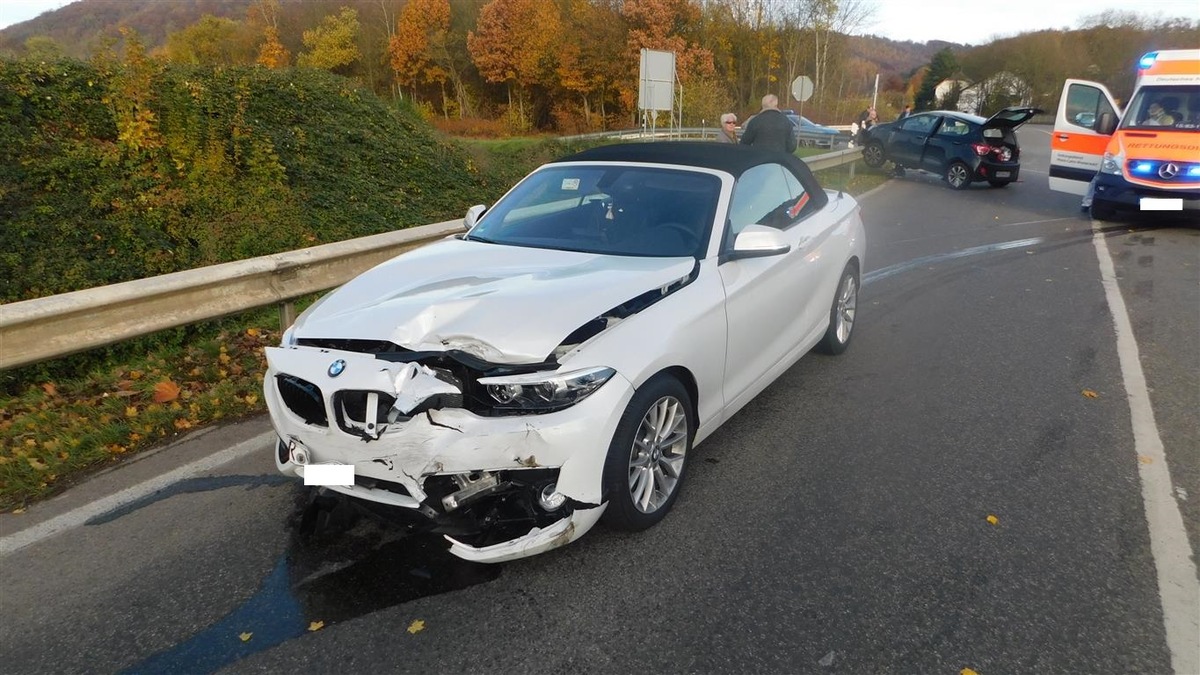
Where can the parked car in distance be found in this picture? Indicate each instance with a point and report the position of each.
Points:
(960, 147)
(560, 360)
(809, 132)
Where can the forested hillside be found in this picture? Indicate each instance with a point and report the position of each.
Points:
(568, 66)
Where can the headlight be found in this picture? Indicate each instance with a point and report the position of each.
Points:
(1111, 164)
(544, 392)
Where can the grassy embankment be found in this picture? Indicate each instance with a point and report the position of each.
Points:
(205, 167)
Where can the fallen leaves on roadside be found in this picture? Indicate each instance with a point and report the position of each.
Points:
(50, 389)
(993, 520)
(131, 411)
(1145, 460)
(245, 637)
(166, 391)
(316, 626)
(416, 626)
(967, 671)
(1090, 394)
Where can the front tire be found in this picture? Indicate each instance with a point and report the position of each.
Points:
(873, 155)
(648, 455)
(958, 176)
(842, 313)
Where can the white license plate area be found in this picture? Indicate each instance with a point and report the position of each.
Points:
(1003, 174)
(329, 474)
(1161, 204)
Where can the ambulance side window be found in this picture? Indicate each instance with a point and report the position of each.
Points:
(1085, 105)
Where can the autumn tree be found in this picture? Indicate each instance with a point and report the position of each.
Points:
(415, 48)
(592, 64)
(332, 44)
(515, 44)
(211, 41)
(43, 48)
(664, 25)
(272, 53)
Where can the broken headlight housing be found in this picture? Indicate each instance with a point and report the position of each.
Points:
(544, 392)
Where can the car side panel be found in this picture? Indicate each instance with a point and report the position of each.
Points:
(775, 302)
(843, 238)
(907, 147)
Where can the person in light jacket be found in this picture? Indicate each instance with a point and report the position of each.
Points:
(728, 131)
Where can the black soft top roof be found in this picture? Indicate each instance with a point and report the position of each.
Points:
(732, 159)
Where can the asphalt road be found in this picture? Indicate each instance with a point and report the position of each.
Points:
(838, 524)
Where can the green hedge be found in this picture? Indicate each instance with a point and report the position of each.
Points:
(119, 171)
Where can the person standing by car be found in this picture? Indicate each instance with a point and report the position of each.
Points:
(728, 131)
(770, 128)
(905, 113)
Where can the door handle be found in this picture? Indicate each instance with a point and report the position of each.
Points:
(1063, 137)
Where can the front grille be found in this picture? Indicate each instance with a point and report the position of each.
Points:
(351, 408)
(303, 398)
(352, 345)
(1159, 171)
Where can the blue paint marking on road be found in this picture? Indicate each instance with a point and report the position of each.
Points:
(272, 616)
(202, 484)
(892, 270)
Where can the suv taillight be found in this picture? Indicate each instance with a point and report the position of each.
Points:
(981, 149)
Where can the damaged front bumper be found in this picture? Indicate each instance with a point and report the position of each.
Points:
(499, 487)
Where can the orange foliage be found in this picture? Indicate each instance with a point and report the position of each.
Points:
(420, 30)
(272, 54)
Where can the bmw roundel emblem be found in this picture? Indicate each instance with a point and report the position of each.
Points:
(336, 368)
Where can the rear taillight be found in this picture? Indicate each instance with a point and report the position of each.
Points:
(981, 149)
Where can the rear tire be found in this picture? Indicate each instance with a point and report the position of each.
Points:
(958, 176)
(1102, 210)
(842, 313)
(873, 155)
(647, 458)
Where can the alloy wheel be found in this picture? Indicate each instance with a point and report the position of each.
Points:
(658, 453)
(847, 303)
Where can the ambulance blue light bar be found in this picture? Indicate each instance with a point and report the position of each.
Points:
(1147, 60)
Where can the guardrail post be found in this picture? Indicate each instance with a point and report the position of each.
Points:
(287, 315)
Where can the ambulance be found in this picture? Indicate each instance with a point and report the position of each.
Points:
(1146, 159)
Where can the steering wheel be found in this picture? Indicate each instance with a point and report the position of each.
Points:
(688, 235)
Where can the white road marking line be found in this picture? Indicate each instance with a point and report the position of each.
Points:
(1036, 222)
(1178, 587)
(76, 517)
(890, 270)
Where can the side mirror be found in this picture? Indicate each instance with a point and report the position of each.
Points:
(757, 241)
(473, 215)
(1106, 124)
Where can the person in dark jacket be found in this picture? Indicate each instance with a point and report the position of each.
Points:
(770, 128)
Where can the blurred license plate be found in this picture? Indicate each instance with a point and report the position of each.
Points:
(329, 474)
(1158, 204)
(1003, 174)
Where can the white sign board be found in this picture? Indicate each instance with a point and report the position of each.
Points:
(802, 88)
(656, 84)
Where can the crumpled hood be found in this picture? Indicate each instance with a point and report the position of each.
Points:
(504, 304)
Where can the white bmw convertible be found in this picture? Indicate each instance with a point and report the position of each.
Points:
(558, 362)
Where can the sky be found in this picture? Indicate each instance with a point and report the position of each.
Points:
(964, 21)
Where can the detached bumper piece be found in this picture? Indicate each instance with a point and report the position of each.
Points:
(487, 516)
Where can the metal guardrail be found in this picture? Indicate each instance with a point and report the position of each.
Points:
(58, 325)
(704, 134)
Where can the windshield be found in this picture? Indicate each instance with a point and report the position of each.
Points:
(613, 210)
(1156, 107)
